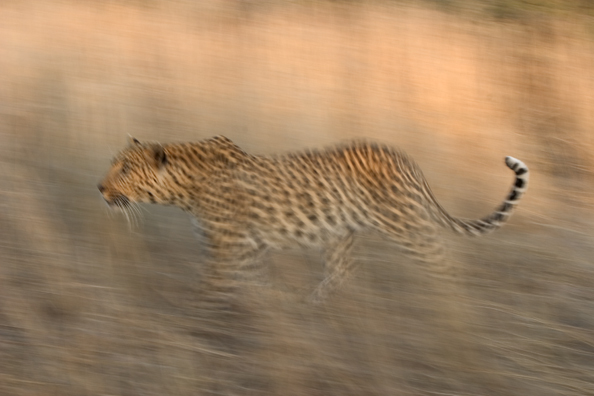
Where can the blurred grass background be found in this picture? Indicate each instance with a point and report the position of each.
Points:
(92, 306)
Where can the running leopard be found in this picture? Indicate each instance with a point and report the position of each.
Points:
(247, 204)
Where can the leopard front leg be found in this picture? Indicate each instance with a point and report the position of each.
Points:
(230, 255)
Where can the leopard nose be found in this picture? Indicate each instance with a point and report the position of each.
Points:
(100, 187)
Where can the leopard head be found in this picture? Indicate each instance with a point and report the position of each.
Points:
(135, 175)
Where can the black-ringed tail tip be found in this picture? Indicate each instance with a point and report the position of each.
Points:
(522, 173)
(500, 215)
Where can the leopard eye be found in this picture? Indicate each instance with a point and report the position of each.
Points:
(125, 168)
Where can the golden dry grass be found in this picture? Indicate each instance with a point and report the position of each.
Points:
(89, 305)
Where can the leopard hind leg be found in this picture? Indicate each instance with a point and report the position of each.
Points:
(337, 267)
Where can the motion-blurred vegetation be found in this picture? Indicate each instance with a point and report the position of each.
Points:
(90, 305)
(514, 9)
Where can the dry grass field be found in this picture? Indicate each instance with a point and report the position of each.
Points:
(93, 305)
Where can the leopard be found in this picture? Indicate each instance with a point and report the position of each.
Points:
(246, 204)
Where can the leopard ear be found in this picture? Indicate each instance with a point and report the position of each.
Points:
(159, 156)
(133, 142)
